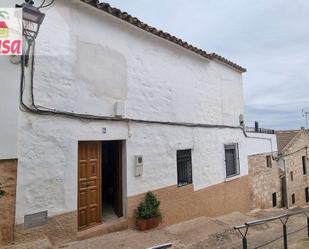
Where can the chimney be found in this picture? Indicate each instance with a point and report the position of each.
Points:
(256, 126)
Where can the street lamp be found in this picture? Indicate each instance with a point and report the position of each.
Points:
(32, 20)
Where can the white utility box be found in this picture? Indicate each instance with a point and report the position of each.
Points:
(139, 164)
(120, 109)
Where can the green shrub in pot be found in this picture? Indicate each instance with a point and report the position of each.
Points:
(148, 212)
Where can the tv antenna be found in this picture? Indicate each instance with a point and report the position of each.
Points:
(305, 115)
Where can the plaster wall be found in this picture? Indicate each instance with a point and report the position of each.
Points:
(9, 83)
(97, 60)
(259, 143)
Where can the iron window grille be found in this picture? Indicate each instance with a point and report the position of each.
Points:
(184, 167)
(231, 160)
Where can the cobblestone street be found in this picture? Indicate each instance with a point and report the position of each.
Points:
(200, 233)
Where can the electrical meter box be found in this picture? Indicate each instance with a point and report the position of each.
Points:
(139, 162)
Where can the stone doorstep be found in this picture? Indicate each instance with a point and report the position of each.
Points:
(104, 228)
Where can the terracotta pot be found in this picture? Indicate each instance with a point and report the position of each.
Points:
(153, 222)
(141, 224)
(145, 224)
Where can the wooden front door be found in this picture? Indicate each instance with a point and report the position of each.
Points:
(89, 175)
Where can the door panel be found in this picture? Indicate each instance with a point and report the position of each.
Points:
(89, 164)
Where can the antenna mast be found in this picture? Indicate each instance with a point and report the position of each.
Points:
(305, 115)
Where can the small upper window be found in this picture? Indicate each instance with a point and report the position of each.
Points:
(268, 160)
(184, 167)
(292, 176)
(304, 165)
(274, 199)
(231, 160)
(307, 194)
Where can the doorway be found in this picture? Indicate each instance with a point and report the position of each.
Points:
(100, 182)
(111, 180)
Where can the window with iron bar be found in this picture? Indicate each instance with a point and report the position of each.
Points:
(231, 160)
(184, 167)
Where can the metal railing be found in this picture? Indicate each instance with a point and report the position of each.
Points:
(259, 130)
(164, 246)
(243, 229)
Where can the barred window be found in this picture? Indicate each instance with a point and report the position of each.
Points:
(184, 167)
(231, 160)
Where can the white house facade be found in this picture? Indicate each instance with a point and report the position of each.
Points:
(124, 108)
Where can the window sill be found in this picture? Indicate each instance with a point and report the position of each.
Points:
(187, 186)
(231, 178)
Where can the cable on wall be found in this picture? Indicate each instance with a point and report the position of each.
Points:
(41, 110)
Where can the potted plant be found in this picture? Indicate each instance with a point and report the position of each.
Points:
(2, 192)
(148, 212)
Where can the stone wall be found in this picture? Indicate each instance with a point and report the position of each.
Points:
(7, 202)
(264, 182)
(293, 162)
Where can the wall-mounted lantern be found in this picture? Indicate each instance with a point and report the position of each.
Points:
(32, 20)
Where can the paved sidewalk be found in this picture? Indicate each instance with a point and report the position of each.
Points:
(200, 233)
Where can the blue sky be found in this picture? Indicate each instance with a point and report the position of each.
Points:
(269, 38)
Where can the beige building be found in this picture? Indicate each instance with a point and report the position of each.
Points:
(281, 179)
(265, 178)
(293, 151)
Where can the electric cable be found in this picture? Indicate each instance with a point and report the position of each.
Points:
(42, 6)
(49, 111)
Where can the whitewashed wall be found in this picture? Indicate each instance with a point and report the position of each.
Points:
(9, 95)
(87, 60)
(258, 143)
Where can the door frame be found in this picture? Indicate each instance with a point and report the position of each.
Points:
(123, 163)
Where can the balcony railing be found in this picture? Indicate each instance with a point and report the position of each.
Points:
(259, 130)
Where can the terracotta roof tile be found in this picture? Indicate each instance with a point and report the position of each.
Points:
(136, 22)
(284, 137)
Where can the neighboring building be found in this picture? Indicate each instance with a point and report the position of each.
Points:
(264, 170)
(281, 179)
(293, 150)
(137, 110)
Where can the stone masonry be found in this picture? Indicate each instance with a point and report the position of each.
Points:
(265, 181)
(7, 202)
(298, 177)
